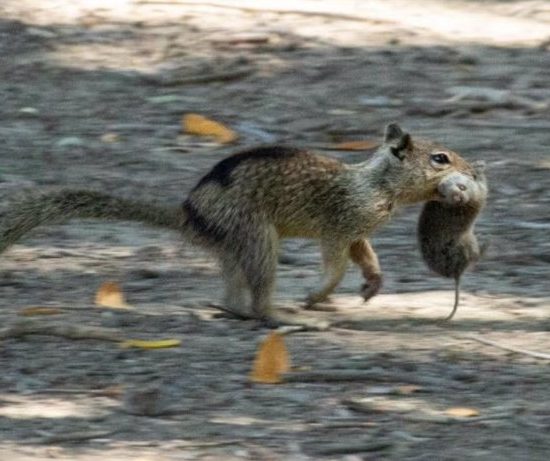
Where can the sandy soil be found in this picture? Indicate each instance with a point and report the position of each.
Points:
(92, 94)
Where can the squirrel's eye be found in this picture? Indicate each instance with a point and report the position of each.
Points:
(440, 158)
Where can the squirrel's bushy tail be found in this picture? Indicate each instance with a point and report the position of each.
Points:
(60, 206)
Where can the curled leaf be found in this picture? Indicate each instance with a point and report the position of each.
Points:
(199, 125)
(110, 295)
(271, 361)
(357, 145)
(155, 344)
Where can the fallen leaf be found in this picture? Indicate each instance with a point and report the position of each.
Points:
(271, 360)
(199, 125)
(110, 295)
(155, 344)
(357, 145)
(115, 391)
(110, 138)
(462, 412)
(30, 311)
(408, 389)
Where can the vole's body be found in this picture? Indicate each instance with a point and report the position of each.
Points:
(248, 201)
(446, 228)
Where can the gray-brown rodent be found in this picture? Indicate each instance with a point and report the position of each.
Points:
(249, 201)
(446, 227)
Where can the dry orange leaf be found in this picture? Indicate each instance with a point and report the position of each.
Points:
(199, 125)
(30, 311)
(271, 360)
(357, 145)
(462, 412)
(110, 295)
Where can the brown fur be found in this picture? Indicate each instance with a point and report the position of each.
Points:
(249, 201)
(446, 228)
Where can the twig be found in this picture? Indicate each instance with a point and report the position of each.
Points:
(25, 328)
(517, 350)
(352, 375)
(205, 444)
(112, 391)
(75, 436)
(504, 125)
(174, 80)
(259, 9)
(328, 376)
(347, 448)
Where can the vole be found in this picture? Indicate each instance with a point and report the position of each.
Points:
(446, 227)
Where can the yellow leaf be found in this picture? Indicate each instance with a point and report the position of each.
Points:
(110, 138)
(271, 361)
(110, 295)
(357, 145)
(29, 311)
(198, 125)
(156, 344)
(462, 412)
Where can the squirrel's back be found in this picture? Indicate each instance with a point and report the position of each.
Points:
(292, 189)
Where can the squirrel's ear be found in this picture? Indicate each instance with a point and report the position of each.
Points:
(397, 139)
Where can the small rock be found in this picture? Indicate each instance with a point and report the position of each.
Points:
(29, 111)
(149, 401)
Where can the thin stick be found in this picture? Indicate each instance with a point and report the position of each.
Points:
(75, 436)
(504, 125)
(200, 79)
(328, 376)
(259, 9)
(25, 328)
(351, 448)
(517, 350)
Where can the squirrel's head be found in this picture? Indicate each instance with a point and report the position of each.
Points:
(421, 165)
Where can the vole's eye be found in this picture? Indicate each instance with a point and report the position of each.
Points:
(440, 158)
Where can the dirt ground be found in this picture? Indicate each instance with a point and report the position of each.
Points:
(92, 94)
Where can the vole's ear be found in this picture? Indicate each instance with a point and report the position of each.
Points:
(397, 139)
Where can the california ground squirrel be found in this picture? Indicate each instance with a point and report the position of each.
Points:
(446, 228)
(248, 201)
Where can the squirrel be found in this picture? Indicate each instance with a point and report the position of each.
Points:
(446, 227)
(250, 200)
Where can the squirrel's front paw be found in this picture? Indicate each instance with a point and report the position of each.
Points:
(371, 287)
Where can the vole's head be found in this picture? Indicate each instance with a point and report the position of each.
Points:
(462, 189)
(419, 165)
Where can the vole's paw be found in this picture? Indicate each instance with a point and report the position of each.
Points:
(372, 286)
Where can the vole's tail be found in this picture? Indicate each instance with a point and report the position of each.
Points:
(457, 299)
(60, 206)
